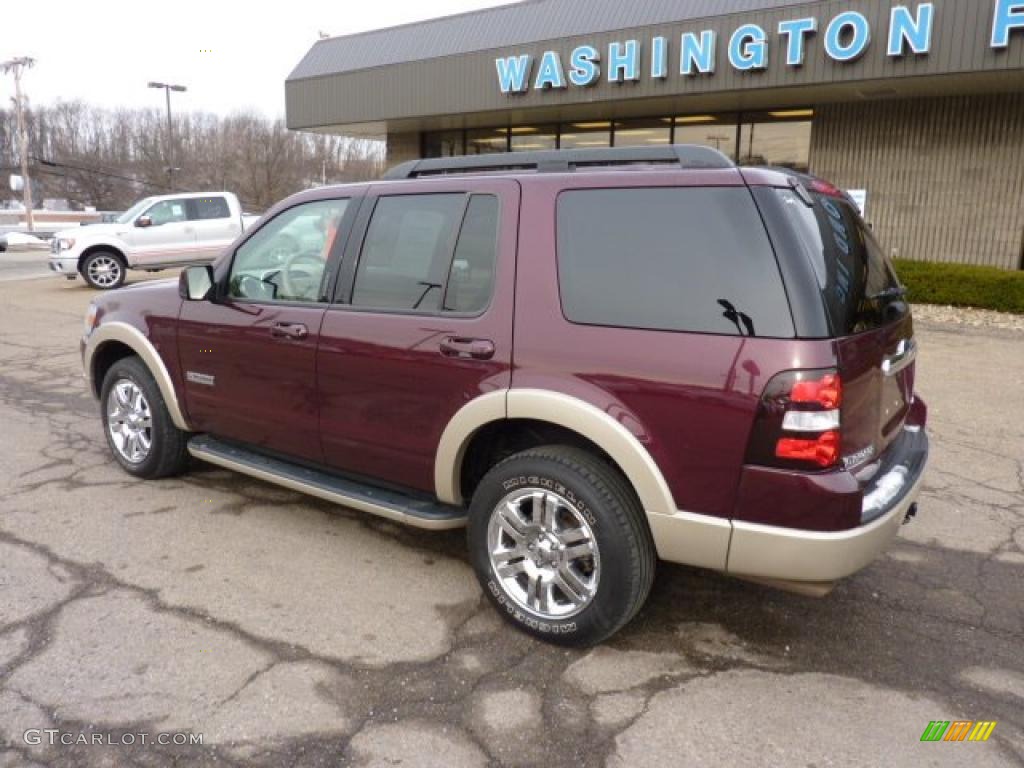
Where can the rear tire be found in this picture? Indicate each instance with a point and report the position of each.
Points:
(104, 270)
(559, 543)
(137, 425)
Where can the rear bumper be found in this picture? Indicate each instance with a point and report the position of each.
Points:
(774, 553)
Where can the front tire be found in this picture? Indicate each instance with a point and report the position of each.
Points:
(137, 425)
(560, 545)
(104, 270)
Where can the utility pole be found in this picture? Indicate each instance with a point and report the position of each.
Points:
(170, 129)
(17, 66)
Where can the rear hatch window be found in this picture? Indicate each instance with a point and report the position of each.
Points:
(870, 321)
(858, 282)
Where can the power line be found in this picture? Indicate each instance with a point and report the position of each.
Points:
(131, 179)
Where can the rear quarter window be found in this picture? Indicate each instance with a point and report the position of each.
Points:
(671, 259)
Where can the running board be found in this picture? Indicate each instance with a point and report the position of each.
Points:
(392, 505)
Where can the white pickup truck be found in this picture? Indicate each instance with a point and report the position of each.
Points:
(156, 233)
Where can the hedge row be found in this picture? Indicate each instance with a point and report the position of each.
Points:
(960, 285)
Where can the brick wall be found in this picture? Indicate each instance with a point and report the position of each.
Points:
(945, 176)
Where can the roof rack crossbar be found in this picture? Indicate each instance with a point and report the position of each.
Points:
(688, 156)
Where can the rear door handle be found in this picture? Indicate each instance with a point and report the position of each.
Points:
(476, 349)
(289, 331)
(905, 354)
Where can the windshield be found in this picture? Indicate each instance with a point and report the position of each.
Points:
(135, 211)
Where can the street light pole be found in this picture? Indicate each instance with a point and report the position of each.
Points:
(170, 128)
(17, 66)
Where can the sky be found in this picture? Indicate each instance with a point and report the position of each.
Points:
(231, 55)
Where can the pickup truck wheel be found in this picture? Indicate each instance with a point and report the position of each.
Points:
(559, 543)
(104, 270)
(138, 427)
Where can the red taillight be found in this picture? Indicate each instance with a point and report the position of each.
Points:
(823, 450)
(798, 421)
(826, 391)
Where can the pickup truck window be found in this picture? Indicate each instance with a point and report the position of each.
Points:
(286, 259)
(168, 212)
(211, 208)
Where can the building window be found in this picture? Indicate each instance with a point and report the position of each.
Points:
(443, 144)
(718, 131)
(781, 137)
(586, 135)
(643, 133)
(528, 138)
(486, 141)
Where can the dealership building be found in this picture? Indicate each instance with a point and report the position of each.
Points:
(918, 107)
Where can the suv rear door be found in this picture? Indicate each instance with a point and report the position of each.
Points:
(421, 323)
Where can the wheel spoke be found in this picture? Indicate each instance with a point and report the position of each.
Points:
(145, 442)
(576, 551)
(549, 512)
(511, 570)
(572, 585)
(123, 396)
(511, 524)
(534, 591)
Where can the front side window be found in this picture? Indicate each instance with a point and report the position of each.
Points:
(211, 208)
(671, 259)
(286, 259)
(168, 212)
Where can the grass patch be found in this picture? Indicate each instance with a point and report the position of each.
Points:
(961, 285)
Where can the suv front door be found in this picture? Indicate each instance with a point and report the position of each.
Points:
(248, 357)
(421, 323)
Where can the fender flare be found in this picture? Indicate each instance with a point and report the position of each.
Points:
(134, 339)
(555, 408)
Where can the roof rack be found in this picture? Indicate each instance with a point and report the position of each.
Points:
(690, 156)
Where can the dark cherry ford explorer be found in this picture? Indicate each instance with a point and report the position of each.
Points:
(592, 359)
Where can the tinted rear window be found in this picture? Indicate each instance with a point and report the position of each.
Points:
(674, 259)
(857, 280)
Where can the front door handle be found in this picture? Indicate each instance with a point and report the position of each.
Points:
(476, 349)
(289, 331)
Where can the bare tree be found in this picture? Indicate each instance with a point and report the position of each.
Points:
(109, 158)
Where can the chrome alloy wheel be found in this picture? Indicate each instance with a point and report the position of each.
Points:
(129, 421)
(104, 271)
(544, 552)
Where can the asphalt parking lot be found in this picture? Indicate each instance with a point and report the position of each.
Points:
(288, 631)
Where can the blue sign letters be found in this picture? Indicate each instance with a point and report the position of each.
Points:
(847, 37)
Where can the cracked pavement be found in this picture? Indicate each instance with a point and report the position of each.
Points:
(289, 631)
